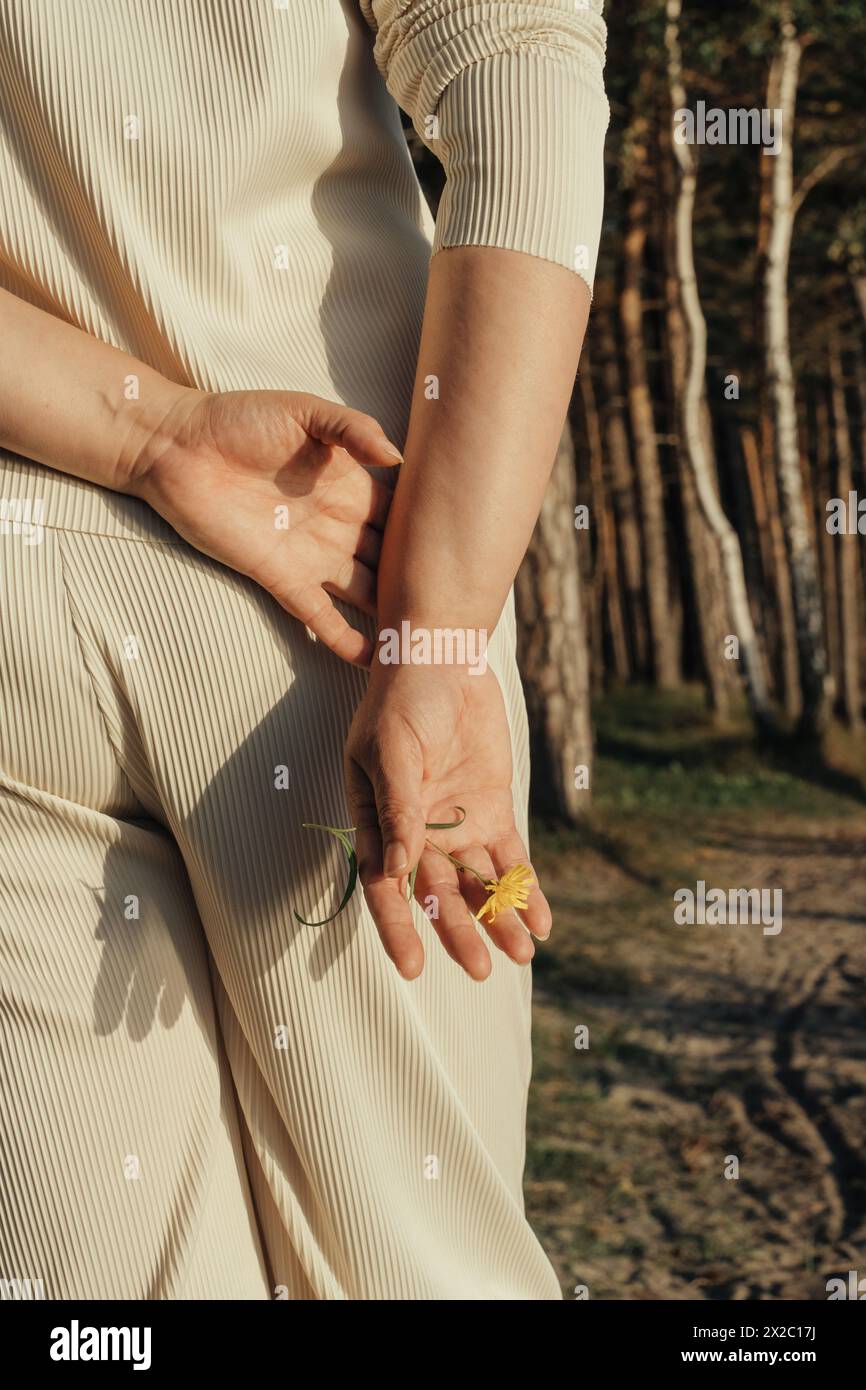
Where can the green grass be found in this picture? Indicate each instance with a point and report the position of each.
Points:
(660, 753)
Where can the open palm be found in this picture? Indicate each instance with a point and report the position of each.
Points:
(424, 741)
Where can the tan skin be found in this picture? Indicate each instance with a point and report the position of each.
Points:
(502, 332)
(439, 739)
(258, 455)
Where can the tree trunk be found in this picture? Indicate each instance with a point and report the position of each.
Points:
(622, 488)
(860, 373)
(787, 659)
(828, 550)
(605, 588)
(704, 559)
(586, 540)
(752, 460)
(553, 652)
(693, 395)
(784, 593)
(849, 569)
(812, 660)
(663, 636)
(762, 592)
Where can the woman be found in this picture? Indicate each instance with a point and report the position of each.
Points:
(219, 315)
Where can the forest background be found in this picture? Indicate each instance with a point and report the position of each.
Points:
(693, 652)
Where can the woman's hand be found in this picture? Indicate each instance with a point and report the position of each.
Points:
(424, 740)
(271, 484)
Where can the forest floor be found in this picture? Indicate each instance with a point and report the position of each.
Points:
(706, 1042)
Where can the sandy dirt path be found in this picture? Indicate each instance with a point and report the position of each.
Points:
(706, 1044)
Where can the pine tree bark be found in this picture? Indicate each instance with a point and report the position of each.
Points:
(849, 568)
(705, 566)
(787, 658)
(784, 590)
(828, 549)
(812, 660)
(752, 461)
(552, 649)
(860, 378)
(693, 396)
(775, 563)
(605, 595)
(621, 479)
(663, 634)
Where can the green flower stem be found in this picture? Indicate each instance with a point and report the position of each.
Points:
(342, 833)
(343, 837)
(457, 863)
(412, 878)
(446, 824)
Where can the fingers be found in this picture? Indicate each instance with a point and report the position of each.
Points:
(355, 498)
(506, 930)
(385, 897)
(389, 907)
(507, 852)
(316, 610)
(396, 779)
(384, 783)
(378, 504)
(361, 498)
(453, 923)
(368, 546)
(360, 435)
(356, 584)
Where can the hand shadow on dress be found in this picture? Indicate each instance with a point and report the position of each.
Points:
(244, 843)
(137, 982)
(239, 861)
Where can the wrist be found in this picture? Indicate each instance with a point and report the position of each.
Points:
(151, 430)
(434, 591)
(430, 646)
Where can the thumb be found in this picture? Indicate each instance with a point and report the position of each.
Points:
(360, 435)
(396, 782)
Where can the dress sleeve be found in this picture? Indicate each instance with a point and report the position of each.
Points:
(509, 95)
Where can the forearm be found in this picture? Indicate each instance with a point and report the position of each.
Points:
(72, 402)
(499, 350)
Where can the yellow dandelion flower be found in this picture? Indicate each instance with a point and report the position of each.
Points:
(511, 890)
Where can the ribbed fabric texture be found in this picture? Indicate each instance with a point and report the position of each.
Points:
(154, 708)
(223, 189)
(198, 1098)
(509, 95)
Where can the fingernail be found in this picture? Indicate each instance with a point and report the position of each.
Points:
(393, 453)
(396, 860)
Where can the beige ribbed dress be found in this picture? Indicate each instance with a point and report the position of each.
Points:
(200, 1098)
